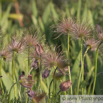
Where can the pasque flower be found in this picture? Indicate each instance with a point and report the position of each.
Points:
(52, 59)
(64, 86)
(5, 54)
(16, 46)
(36, 98)
(65, 26)
(26, 82)
(80, 30)
(31, 40)
(34, 64)
(45, 73)
(92, 43)
(99, 33)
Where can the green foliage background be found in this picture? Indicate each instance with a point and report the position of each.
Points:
(39, 15)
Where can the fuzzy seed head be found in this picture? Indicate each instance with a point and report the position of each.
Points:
(51, 59)
(80, 31)
(92, 43)
(31, 40)
(16, 46)
(5, 54)
(65, 26)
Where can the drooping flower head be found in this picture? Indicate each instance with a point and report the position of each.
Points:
(64, 86)
(26, 82)
(45, 73)
(16, 46)
(80, 30)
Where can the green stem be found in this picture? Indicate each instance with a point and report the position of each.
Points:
(11, 89)
(57, 95)
(54, 82)
(70, 79)
(82, 70)
(13, 73)
(82, 65)
(1, 78)
(49, 89)
(30, 71)
(82, 62)
(95, 68)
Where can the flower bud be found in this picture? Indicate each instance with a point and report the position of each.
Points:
(31, 93)
(39, 49)
(64, 86)
(34, 64)
(46, 73)
(22, 75)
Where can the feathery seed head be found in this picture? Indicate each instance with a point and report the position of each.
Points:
(80, 31)
(51, 59)
(31, 40)
(6, 55)
(92, 43)
(65, 26)
(16, 46)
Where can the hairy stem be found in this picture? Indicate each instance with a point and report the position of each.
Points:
(54, 82)
(13, 73)
(49, 89)
(57, 95)
(70, 79)
(96, 57)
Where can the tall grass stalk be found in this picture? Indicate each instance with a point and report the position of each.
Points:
(1, 78)
(96, 57)
(13, 72)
